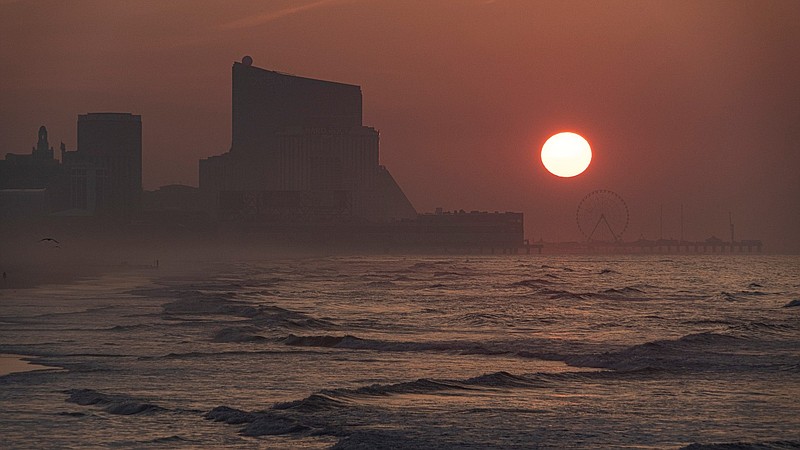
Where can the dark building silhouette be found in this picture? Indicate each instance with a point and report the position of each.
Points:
(32, 171)
(267, 102)
(461, 232)
(30, 183)
(302, 172)
(102, 177)
(42, 151)
(105, 172)
(299, 153)
(172, 197)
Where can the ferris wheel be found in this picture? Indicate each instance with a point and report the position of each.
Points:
(602, 216)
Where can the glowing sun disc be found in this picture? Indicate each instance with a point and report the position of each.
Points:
(566, 154)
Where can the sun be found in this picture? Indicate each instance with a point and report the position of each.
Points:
(566, 154)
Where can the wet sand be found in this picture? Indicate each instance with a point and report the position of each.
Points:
(17, 363)
(28, 276)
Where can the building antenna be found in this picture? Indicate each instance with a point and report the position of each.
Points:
(681, 222)
(730, 220)
(661, 223)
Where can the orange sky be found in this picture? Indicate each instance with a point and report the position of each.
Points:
(693, 102)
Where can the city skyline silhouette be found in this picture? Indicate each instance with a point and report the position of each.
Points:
(691, 105)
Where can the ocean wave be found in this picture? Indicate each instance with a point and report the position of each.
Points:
(356, 343)
(259, 315)
(299, 416)
(448, 274)
(381, 284)
(262, 423)
(707, 322)
(769, 445)
(544, 349)
(532, 283)
(557, 294)
(320, 341)
(479, 319)
(761, 331)
(345, 397)
(314, 402)
(696, 352)
(88, 311)
(404, 278)
(426, 265)
(207, 306)
(565, 269)
(174, 439)
(627, 290)
(137, 326)
(112, 404)
(231, 416)
(724, 296)
(218, 354)
(503, 379)
(624, 293)
(754, 293)
(792, 304)
(242, 334)
(269, 282)
(385, 438)
(271, 425)
(737, 296)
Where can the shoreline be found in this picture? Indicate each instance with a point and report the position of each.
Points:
(31, 275)
(13, 363)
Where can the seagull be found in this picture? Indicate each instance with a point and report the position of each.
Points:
(49, 239)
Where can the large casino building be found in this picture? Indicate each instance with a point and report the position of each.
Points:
(299, 154)
(302, 166)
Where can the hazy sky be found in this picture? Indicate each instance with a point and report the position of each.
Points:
(684, 102)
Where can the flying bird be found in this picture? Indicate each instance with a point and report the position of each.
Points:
(49, 239)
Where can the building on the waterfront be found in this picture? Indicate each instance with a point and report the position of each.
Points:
(105, 172)
(30, 184)
(102, 177)
(299, 153)
(479, 232)
(36, 170)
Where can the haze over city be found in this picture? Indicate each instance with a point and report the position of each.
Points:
(692, 103)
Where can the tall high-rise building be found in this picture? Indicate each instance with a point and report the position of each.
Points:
(106, 170)
(266, 102)
(299, 152)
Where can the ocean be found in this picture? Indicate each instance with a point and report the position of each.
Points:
(512, 351)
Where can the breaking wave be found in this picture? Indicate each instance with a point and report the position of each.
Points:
(693, 352)
(356, 343)
(243, 334)
(262, 423)
(112, 404)
(265, 316)
(296, 417)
